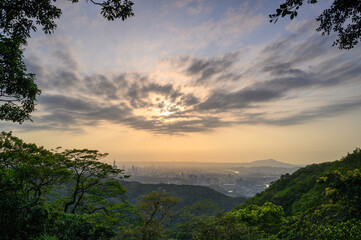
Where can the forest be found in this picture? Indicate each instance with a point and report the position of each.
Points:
(72, 194)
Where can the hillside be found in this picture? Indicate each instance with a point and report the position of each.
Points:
(187, 194)
(299, 191)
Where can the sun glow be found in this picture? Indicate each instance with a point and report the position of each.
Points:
(162, 106)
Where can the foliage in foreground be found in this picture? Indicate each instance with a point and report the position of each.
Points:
(29, 175)
(48, 195)
(328, 195)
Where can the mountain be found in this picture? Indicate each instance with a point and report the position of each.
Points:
(267, 163)
(300, 191)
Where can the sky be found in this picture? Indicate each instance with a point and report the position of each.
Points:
(194, 80)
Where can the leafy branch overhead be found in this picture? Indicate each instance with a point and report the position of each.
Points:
(343, 18)
(18, 18)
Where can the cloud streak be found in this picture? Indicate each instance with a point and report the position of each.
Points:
(205, 70)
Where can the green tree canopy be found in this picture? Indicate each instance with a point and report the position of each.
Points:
(18, 18)
(70, 194)
(91, 181)
(37, 168)
(156, 212)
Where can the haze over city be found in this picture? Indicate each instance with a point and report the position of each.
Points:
(197, 81)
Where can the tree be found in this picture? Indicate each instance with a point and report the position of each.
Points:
(343, 18)
(20, 218)
(226, 227)
(18, 18)
(30, 176)
(36, 168)
(193, 218)
(91, 182)
(268, 217)
(202, 208)
(345, 189)
(27, 172)
(156, 212)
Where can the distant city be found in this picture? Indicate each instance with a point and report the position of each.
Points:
(232, 179)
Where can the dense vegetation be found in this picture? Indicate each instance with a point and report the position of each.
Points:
(71, 194)
(187, 194)
(320, 201)
(302, 190)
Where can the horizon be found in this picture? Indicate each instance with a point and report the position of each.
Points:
(202, 162)
(194, 81)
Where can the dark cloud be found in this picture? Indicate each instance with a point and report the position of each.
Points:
(281, 68)
(121, 82)
(71, 111)
(66, 58)
(60, 102)
(138, 95)
(321, 75)
(341, 73)
(33, 65)
(64, 79)
(224, 101)
(166, 89)
(288, 79)
(313, 48)
(63, 119)
(65, 111)
(330, 110)
(229, 77)
(189, 100)
(206, 69)
(283, 57)
(202, 124)
(100, 85)
(276, 49)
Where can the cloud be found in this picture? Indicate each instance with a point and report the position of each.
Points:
(101, 85)
(329, 110)
(281, 68)
(64, 79)
(59, 102)
(139, 95)
(224, 101)
(201, 94)
(69, 112)
(205, 69)
(63, 54)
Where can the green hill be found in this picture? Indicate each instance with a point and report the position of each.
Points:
(187, 194)
(300, 191)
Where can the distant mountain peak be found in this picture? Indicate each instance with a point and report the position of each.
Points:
(268, 163)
